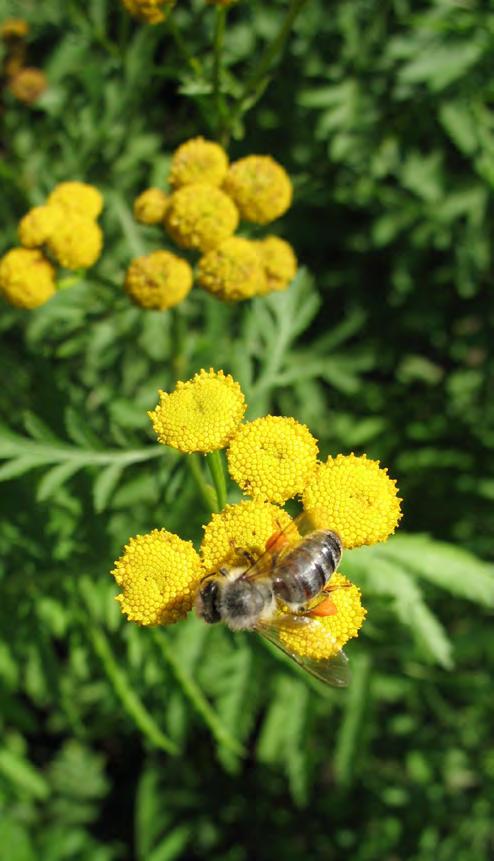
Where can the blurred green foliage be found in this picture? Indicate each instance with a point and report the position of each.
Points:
(122, 743)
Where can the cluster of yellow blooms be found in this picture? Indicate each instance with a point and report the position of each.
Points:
(149, 11)
(63, 230)
(272, 459)
(209, 198)
(156, 11)
(26, 83)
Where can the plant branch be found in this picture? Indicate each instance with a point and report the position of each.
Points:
(196, 697)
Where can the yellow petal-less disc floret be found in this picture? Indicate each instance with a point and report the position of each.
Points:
(150, 207)
(325, 636)
(27, 278)
(14, 28)
(272, 458)
(201, 415)
(280, 263)
(159, 574)
(355, 497)
(198, 160)
(159, 280)
(245, 526)
(36, 227)
(200, 216)
(77, 242)
(78, 197)
(149, 11)
(260, 187)
(233, 271)
(28, 84)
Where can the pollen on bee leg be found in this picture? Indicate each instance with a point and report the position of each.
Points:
(327, 607)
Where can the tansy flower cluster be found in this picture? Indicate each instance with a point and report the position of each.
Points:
(26, 83)
(272, 459)
(206, 201)
(62, 231)
(149, 11)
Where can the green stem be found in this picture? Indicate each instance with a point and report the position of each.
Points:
(219, 36)
(196, 697)
(194, 64)
(216, 469)
(259, 78)
(178, 333)
(123, 690)
(207, 492)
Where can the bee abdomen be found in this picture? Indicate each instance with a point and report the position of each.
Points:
(305, 570)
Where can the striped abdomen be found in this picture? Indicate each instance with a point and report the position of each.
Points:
(304, 571)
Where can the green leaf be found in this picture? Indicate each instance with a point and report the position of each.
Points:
(55, 478)
(17, 466)
(450, 567)
(105, 484)
(352, 727)
(22, 775)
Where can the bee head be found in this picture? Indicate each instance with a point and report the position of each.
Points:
(208, 600)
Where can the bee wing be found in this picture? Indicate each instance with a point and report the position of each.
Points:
(333, 671)
(298, 527)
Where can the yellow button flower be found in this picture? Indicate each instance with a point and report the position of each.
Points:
(28, 84)
(78, 197)
(272, 458)
(244, 526)
(355, 497)
(159, 280)
(325, 636)
(200, 216)
(77, 242)
(198, 160)
(201, 415)
(149, 11)
(14, 28)
(233, 271)
(280, 263)
(260, 187)
(159, 574)
(36, 227)
(27, 278)
(150, 207)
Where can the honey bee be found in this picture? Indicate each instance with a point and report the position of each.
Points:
(286, 587)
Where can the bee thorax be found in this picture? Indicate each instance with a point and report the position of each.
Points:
(243, 603)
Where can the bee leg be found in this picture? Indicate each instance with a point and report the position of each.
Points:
(240, 551)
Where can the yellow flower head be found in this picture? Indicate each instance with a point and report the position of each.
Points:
(355, 497)
(150, 11)
(36, 227)
(233, 271)
(14, 28)
(159, 574)
(77, 242)
(200, 216)
(27, 278)
(260, 187)
(272, 458)
(201, 415)
(198, 160)
(280, 263)
(325, 636)
(245, 526)
(78, 197)
(150, 206)
(159, 280)
(28, 84)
